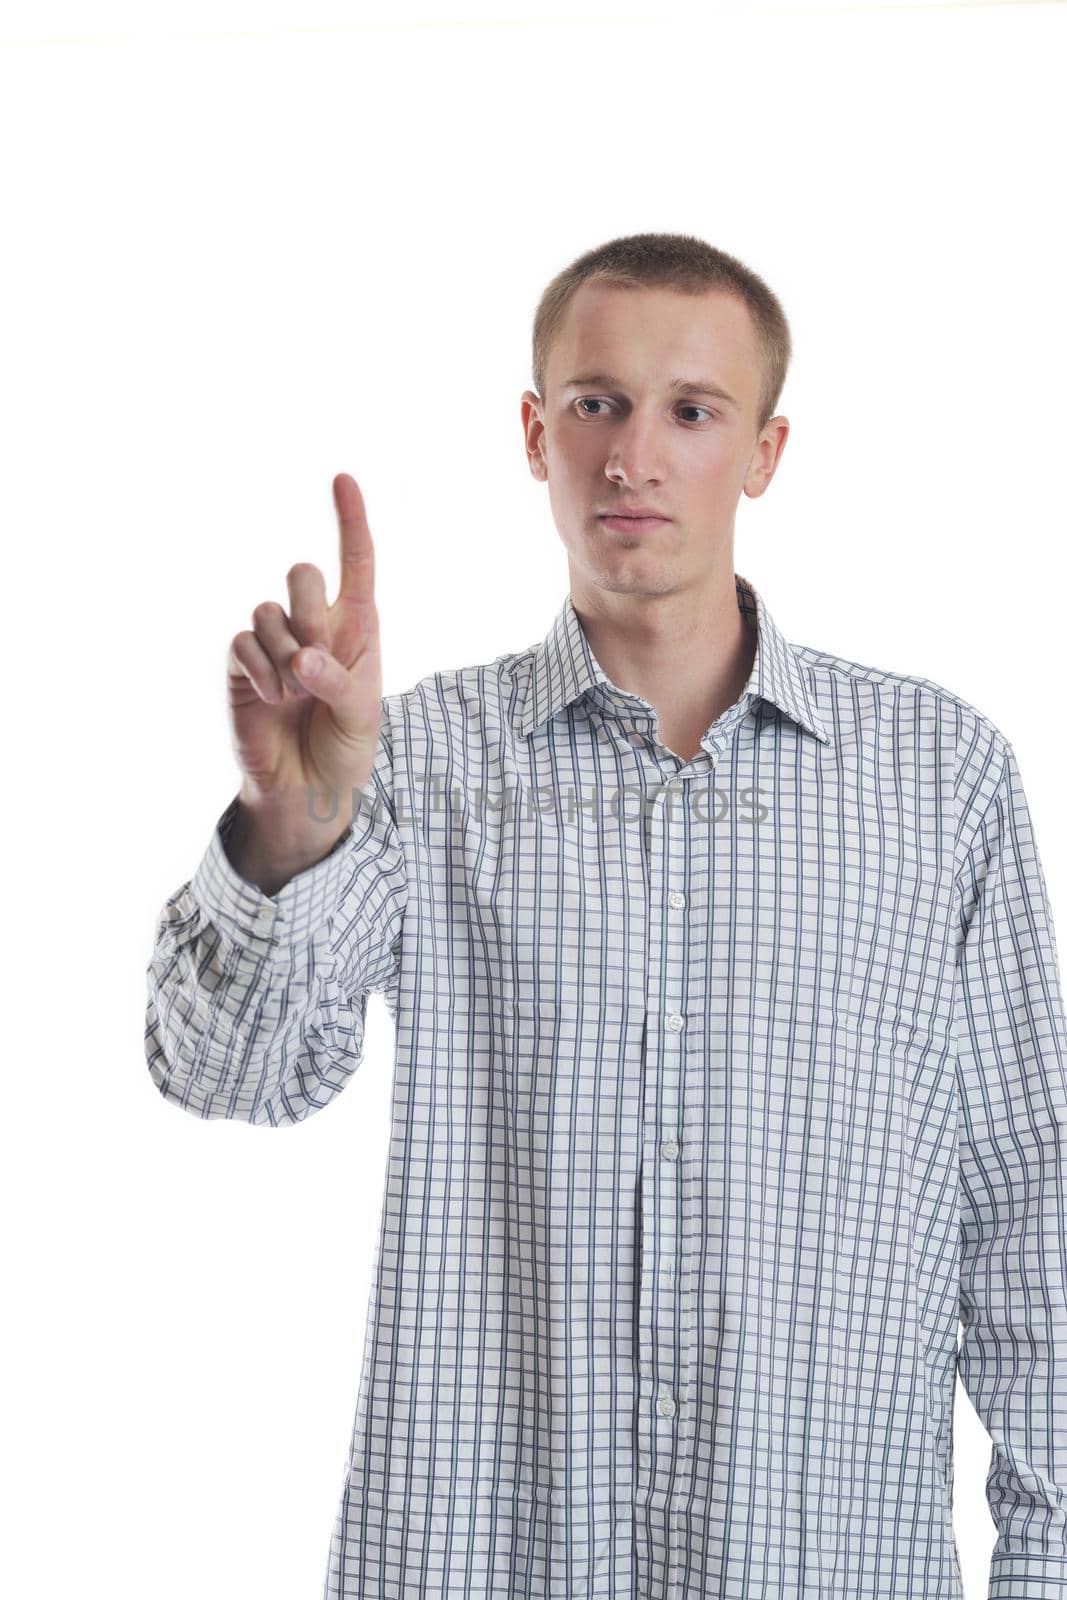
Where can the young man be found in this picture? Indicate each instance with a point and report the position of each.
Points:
(730, 1056)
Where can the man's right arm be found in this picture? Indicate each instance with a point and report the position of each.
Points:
(257, 1001)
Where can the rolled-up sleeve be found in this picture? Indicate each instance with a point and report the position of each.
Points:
(1011, 1053)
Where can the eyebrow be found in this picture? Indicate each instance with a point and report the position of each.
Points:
(704, 386)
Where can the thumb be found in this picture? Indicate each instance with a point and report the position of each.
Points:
(328, 681)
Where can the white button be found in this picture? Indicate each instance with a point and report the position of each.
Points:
(675, 1021)
(669, 1148)
(676, 899)
(665, 1406)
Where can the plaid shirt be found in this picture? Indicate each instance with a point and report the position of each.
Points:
(724, 1089)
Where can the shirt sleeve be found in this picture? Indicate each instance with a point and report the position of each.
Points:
(1011, 1053)
(257, 1004)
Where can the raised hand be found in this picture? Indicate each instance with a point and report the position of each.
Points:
(304, 693)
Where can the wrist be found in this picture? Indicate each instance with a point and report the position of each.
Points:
(268, 846)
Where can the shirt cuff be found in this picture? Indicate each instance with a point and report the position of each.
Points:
(1023, 1577)
(256, 921)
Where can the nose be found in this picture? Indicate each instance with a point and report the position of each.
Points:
(634, 457)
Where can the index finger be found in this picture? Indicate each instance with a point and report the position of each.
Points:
(357, 551)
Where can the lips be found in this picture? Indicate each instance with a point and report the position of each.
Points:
(625, 521)
(638, 512)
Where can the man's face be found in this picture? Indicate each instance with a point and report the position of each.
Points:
(634, 441)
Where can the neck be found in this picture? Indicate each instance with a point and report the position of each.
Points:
(688, 652)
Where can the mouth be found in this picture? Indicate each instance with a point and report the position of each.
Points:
(623, 523)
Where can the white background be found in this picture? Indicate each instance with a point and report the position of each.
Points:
(246, 247)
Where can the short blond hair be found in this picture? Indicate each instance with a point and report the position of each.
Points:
(677, 261)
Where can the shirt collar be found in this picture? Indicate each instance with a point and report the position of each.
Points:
(564, 668)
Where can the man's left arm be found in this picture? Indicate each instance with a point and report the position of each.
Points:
(1011, 1056)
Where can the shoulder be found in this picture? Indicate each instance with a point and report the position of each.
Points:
(467, 696)
(922, 723)
(858, 688)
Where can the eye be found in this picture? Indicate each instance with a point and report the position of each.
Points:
(598, 400)
(592, 400)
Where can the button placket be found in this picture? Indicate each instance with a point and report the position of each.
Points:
(661, 1321)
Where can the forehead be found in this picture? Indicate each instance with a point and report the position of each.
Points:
(649, 333)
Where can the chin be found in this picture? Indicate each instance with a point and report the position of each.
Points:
(630, 577)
